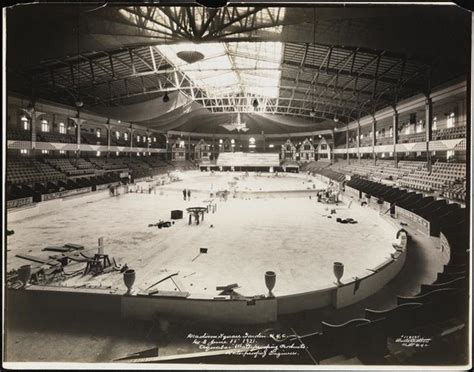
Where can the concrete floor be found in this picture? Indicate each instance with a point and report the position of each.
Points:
(291, 236)
(35, 337)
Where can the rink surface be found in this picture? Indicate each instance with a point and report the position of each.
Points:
(291, 236)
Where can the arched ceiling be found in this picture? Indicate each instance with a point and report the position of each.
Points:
(311, 63)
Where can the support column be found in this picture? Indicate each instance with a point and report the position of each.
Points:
(78, 134)
(428, 129)
(374, 138)
(347, 144)
(330, 152)
(189, 147)
(148, 141)
(33, 132)
(214, 151)
(33, 114)
(358, 140)
(109, 134)
(131, 140)
(395, 135)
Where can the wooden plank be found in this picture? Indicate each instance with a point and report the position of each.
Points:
(227, 287)
(158, 293)
(163, 279)
(77, 247)
(56, 249)
(38, 259)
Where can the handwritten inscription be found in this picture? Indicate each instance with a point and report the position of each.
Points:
(248, 345)
(413, 341)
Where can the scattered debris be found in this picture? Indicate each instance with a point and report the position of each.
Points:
(346, 220)
(160, 224)
(201, 251)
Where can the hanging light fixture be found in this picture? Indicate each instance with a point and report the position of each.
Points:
(312, 113)
(166, 98)
(255, 103)
(336, 119)
(79, 103)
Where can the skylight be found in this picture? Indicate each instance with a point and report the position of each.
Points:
(247, 68)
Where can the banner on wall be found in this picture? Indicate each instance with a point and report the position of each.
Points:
(63, 194)
(17, 203)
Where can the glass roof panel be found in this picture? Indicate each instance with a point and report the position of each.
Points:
(231, 68)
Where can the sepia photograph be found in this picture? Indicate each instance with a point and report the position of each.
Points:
(203, 184)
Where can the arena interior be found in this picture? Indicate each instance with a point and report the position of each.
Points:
(288, 176)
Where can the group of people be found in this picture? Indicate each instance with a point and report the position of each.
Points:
(186, 193)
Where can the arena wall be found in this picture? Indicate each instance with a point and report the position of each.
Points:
(220, 311)
(305, 301)
(54, 205)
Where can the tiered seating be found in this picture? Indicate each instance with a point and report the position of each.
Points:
(384, 141)
(412, 138)
(441, 176)
(422, 180)
(29, 171)
(366, 141)
(65, 166)
(157, 163)
(313, 166)
(449, 133)
(18, 134)
(55, 137)
(114, 141)
(411, 165)
(109, 164)
(453, 171)
(333, 175)
(84, 165)
(365, 168)
(92, 139)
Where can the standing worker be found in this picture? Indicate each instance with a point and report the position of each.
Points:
(184, 194)
(189, 194)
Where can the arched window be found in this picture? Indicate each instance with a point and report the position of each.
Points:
(435, 123)
(251, 142)
(62, 128)
(450, 121)
(44, 125)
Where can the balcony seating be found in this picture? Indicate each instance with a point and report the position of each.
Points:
(55, 137)
(18, 134)
(92, 139)
(449, 133)
(412, 138)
